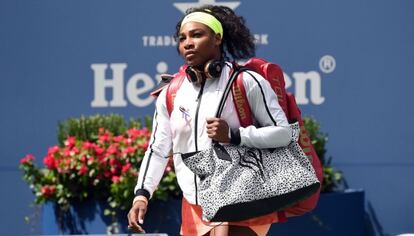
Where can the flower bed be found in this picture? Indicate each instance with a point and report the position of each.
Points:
(98, 158)
(104, 167)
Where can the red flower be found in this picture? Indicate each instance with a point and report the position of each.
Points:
(144, 145)
(90, 161)
(102, 161)
(87, 145)
(75, 150)
(99, 150)
(128, 141)
(114, 170)
(104, 137)
(101, 130)
(67, 163)
(27, 158)
(66, 152)
(48, 190)
(129, 150)
(115, 179)
(83, 170)
(119, 138)
(113, 149)
(126, 167)
(70, 141)
(83, 159)
(50, 162)
(134, 133)
(52, 150)
(112, 162)
(147, 133)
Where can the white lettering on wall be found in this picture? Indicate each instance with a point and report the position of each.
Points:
(116, 84)
(168, 40)
(327, 64)
(162, 68)
(136, 86)
(301, 79)
(261, 39)
(158, 41)
(307, 86)
(134, 92)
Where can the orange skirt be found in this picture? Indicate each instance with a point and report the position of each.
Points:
(193, 224)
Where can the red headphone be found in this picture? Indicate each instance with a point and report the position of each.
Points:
(212, 70)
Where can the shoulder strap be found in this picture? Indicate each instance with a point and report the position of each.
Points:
(233, 76)
(172, 88)
(240, 101)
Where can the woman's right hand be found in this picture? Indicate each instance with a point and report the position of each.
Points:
(136, 215)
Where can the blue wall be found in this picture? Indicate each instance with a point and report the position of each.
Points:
(53, 55)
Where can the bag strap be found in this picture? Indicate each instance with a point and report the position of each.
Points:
(241, 103)
(172, 88)
(227, 90)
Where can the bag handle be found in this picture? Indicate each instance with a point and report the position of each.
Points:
(220, 151)
(227, 90)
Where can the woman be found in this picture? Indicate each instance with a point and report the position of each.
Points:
(208, 38)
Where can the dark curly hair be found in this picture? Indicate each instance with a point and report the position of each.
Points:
(237, 41)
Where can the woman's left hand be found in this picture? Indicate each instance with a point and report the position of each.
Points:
(218, 130)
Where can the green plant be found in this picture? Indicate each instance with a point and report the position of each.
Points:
(98, 157)
(86, 127)
(332, 178)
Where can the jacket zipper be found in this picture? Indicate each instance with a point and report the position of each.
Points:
(200, 94)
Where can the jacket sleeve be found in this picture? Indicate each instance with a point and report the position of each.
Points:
(273, 127)
(156, 156)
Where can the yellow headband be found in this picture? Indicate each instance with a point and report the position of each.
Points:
(206, 19)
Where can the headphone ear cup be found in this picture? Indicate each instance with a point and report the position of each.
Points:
(213, 69)
(192, 74)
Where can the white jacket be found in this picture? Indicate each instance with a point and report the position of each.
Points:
(185, 130)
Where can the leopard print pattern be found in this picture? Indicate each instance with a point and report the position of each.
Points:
(251, 174)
